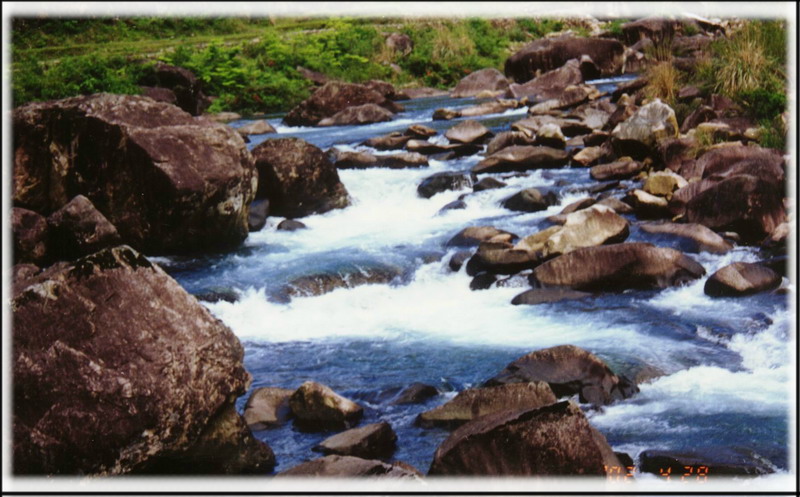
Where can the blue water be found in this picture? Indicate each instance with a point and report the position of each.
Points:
(724, 363)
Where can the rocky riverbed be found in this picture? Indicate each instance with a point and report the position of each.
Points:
(548, 275)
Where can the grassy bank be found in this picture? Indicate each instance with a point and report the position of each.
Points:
(250, 63)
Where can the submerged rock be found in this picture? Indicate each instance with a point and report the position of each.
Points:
(703, 239)
(537, 296)
(530, 200)
(555, 440)
(416, 393)
(321, 283)
(443, 181)
(569, 370)
(118, 370)
(476, 402)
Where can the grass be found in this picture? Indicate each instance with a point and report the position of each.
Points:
(663, 81)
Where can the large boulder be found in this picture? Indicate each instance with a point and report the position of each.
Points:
(31, 236)
(78, 229)
(746, 204)
(554, 440)
(765, 163)
(570, 97)
(184, 85)
(168, 182)
(350, 466)
(333, 97)
(547, 54)
(550, 84)
(640, 134)
(569, 370)
(358, 114)
(596, 225)
(316, 407)
(657, 29)
(373, 441)
(522, 158)
(363, 160)
(118, 370)
(618, 267)
(741, 278)
(297, 178)
(484, 80)
(700, 238)
(476, 402)
(508, 138)
(530, 200)
(501, 258)
(393, 141)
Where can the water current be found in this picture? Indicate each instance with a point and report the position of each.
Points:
(723, 365)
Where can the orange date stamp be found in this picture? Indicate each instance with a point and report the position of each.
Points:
(690, 473)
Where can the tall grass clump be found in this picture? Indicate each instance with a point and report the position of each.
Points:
(663, 81)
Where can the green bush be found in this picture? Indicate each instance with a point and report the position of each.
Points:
(763, 104)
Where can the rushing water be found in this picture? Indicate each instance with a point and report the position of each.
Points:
(725, 364)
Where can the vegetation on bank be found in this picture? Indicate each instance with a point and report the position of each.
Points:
(249, 64)
(749, 67)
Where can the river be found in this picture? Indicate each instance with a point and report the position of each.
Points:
(725, 362)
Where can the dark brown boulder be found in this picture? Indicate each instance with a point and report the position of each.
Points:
(629, 88)
(183, 84)
(618, 267)
(483, 80)
(468, 132)
(522, 158)
(547, 54)
(536, 296)
(555, 440)
(551, 83)
(267, 407)
(384, 88)
(487, 183)
(316, 407)
(297, 178)
(118, 370)
(177, 183)
(31, 237)
(681, 197)
(741, 278)
(333, 97)
(701, 114)
(748, 205)
(374, 441)
(621, 169)
(420, 131)
(443, 181)
(530, 200)
(594, 115)
(765, 163)
(358, 115)
(290, 225)
(475, 402)
(424, 92)
(570, 97)
(349, 466)
(78, 229)
(702, 238)
(569, 370)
